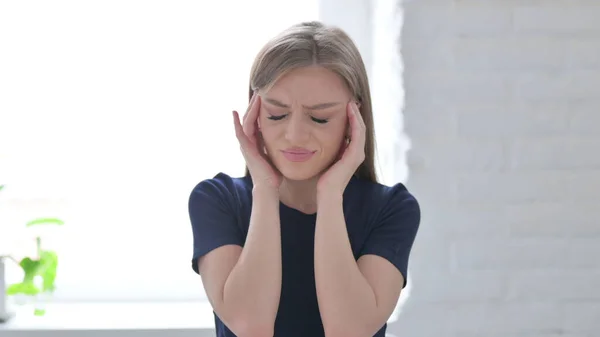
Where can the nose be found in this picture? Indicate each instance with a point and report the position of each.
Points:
(297, 132)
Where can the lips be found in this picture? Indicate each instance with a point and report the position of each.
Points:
(297, 154)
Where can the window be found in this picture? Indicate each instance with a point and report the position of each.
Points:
(111, 112)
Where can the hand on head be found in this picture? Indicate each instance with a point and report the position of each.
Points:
(262, 171)
(352, 154)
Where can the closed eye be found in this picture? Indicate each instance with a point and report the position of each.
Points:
(320, 121)
(276, 118)
(280, 117)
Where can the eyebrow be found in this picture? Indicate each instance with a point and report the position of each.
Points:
(320, 106)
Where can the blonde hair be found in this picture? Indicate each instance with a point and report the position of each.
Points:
(316, 44)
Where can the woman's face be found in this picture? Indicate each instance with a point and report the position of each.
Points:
(303, 121)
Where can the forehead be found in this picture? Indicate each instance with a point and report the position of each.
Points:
(310, 84)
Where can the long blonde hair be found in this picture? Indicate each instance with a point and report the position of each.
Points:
(314, 43)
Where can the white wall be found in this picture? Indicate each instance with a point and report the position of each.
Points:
(503, 110)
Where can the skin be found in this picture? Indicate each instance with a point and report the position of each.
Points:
(310, 106)
(356, 297)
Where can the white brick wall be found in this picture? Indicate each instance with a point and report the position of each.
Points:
(503, 112)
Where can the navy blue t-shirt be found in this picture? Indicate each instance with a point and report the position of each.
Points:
(381, 220)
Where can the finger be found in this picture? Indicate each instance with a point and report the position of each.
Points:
(356, 130)
(249, 107)
(260, 145)
(352, 121)
(250, 122)
(239, 131)
(358, 115)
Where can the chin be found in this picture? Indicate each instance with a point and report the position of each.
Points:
(298, 173)
(301, 171)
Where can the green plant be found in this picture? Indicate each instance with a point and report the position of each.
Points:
(40, 270)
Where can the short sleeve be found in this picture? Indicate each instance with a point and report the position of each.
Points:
(395, 229)
(213, 217)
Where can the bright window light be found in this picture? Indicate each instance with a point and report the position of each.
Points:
(110, 113)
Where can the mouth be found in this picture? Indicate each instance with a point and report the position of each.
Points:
(297, 155)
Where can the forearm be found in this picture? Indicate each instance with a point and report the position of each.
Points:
(344, 295)
(253, 287)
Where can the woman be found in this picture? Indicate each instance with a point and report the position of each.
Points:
(307, 243)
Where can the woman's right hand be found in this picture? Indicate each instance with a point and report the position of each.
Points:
(261, 169)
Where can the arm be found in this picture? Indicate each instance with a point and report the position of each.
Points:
(244, 285)
(357, 298)
(354, 299)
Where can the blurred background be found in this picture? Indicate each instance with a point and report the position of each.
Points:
(489, 111)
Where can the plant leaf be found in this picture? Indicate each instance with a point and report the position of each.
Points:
(30, 268)
(45, 221)
(26, 288)
(1, 187)
(47, 269)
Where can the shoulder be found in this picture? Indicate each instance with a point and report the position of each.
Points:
(385, 201)
(221, 187)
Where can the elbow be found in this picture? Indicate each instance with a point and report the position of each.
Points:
(338, 331)
(252, 328)
(348, 330)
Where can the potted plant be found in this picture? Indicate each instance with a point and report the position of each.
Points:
(39, 270)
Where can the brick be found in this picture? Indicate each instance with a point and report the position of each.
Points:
(558, 285)
(483, 319)
(431, 187)
(583, 317)
(520, 316)
(526, 254)
(465, 155)
(423, 259)
(473, 220)
(557, 86)
(583, 53)
(555, 153)
(502, 101)
(420, 53)
(540, 332)
(584, 117)
(557, 20)
(473, 18)
(512, 120)
(510, 255)
(535, 54)
(448, 318)
(512, 187)
(583, 253)
(453, 88)
(429, 121)
(554, 220)
(434, 19)
(461, 287)
(584, 185)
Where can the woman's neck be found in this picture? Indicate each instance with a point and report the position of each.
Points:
(300, 195)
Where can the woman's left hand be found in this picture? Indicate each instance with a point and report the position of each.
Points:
(336, 178)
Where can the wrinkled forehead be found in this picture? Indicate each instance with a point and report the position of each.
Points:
(309, 86)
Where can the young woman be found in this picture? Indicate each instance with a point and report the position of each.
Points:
(308, 243)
